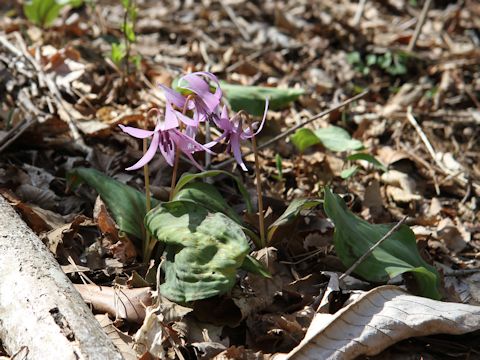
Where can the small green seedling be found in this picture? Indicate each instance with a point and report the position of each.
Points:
(44, 12)
(121, 51)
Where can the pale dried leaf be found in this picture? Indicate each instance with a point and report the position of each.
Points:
(454, 235)
(155, 328)
(122, 341)
(121, 303)
(378, 319)
(403, 187)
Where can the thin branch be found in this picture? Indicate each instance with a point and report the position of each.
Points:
(358, 14)
(372, 248)
(62, 109)
(295, 128)
(460, 272)
(231, 14)
(411, 119)
(418, 28)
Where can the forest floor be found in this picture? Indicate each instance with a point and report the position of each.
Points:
(63, 96)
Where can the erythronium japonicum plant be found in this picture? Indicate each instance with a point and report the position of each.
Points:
(186, 245)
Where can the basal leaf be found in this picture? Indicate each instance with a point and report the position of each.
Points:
(337, 139)
(203, 250)
(208, 196)
(304, 138)
(397, 255)
(252, 98)
(367, 157)
(126, 204)
(291, 213)
(187, 177)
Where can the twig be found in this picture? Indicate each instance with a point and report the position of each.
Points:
(418, 28)
(460, 272)
(10, 47)
(248, 58)
(233, 17)
(372, 248)
(411, 119)
(359, 13)
(295, 128)
(425, 163)
(454, 175)
(52, 87)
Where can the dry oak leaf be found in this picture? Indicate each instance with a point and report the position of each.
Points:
(379, 318)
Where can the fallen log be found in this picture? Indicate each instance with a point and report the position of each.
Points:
(39, 307)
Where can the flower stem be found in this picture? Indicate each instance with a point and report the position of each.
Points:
(174, 174)
(177, 153)
(147, 246)
(261, 219)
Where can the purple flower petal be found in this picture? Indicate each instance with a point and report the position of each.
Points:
(167, 149)
(200, 87)
(135, 132)
(185, 119)
(237, 152)
(186, 144)
(148, 155)
(194, 162)
(173, 97)
(171, 120)
(223, 122)
(247, 134)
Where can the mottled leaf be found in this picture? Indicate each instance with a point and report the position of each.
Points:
(203, 250)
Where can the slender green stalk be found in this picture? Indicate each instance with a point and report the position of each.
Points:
(261, 219)
(147, 247)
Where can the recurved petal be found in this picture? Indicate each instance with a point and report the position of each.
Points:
(171, 120)
(237, 152)
(199, 86)
(148, 155)
(186, 120)
(136, 132)
(247, 133)
(187, 144)
(173, 97)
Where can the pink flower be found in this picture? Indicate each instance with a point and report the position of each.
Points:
(235, 134)
(202, 101)
(165, 137)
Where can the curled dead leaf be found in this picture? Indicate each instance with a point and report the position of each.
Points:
(379, 318)
(120, 303)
